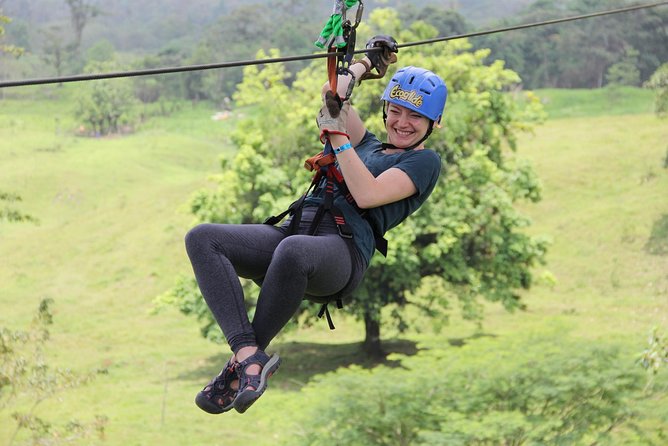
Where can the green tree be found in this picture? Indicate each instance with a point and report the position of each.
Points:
(4, 48)
(56, 52)
(625, 72)
(520, 390)
(81, 11)
(106, 105)
(290, 26)
(655, 356)
(446, 21)
(165, 89)
(468, 242)
(27, 380)
(659, 83)
(579, 54)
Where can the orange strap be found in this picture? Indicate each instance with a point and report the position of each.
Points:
(332, 70)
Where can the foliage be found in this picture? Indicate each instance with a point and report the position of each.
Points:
(659, 83)
(655, 356)
(106, 105)
(161, 89)
(579, 54)
(121, 242)
(524, 389)
(8, 49)
(81, 11)
(27, 380)
(625, 72)
(467, 242)
(9, 213)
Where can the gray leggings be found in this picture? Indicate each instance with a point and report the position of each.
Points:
(288, 268)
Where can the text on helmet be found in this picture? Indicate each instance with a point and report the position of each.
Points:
(410, 96)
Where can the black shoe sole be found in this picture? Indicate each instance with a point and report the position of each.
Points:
(246, 398)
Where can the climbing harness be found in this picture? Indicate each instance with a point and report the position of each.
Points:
(339, 36)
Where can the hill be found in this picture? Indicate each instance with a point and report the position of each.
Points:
(151, 25)
(110, 238)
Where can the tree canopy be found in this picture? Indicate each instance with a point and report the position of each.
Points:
(581, 54)
(467, 243)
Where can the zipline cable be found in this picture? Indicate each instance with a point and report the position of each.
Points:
(169, 70)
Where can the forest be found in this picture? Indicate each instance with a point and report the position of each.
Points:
(66, 37)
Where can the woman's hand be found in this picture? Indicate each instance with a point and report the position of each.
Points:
(332, 118)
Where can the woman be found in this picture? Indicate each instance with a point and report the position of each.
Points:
(387, 181)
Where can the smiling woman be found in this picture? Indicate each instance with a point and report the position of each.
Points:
(361, 189)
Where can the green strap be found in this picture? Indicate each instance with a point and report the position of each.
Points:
(332, 33)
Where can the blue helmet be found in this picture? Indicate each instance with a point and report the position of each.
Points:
(419, 90)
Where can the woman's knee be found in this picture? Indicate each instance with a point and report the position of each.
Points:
(293, 252)
(199, 237)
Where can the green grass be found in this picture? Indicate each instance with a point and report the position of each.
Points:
(112, 219)
(610, 101)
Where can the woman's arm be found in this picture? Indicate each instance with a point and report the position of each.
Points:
(355, 127)
(369, 191)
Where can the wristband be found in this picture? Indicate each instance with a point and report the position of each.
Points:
(340, 149)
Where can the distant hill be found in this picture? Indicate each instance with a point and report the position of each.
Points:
(149, 25)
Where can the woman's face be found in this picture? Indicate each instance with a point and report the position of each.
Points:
(405, 127)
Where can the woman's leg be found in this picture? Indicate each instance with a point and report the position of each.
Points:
(302, 264)
(219, 255)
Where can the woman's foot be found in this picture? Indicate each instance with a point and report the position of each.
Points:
(254, 367)
(218, 396)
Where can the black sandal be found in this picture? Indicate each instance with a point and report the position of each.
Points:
(218, 396)
(246, 397)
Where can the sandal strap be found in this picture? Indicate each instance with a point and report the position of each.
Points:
(220, 384)
(245, 380)
(259, 357)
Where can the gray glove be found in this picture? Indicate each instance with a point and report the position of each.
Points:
(332, 117)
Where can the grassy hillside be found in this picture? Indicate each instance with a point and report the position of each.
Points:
(112, 220)
(560, 103)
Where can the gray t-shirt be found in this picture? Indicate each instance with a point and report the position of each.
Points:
(422, 166)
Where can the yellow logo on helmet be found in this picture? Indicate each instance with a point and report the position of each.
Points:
(410, 96)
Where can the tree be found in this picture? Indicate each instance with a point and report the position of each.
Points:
(149, 89)
(81, 11)
(655, 356)
(659, 83)
(520, 390)
(579, 54)
(467, 243)
(446, 21)
(625, 72)
(7, 49)
(56, 53)
(105, 105)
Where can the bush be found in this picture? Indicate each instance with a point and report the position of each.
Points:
(529, 390)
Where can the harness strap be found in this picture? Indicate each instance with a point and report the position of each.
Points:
(324, 165)
(324, 310)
